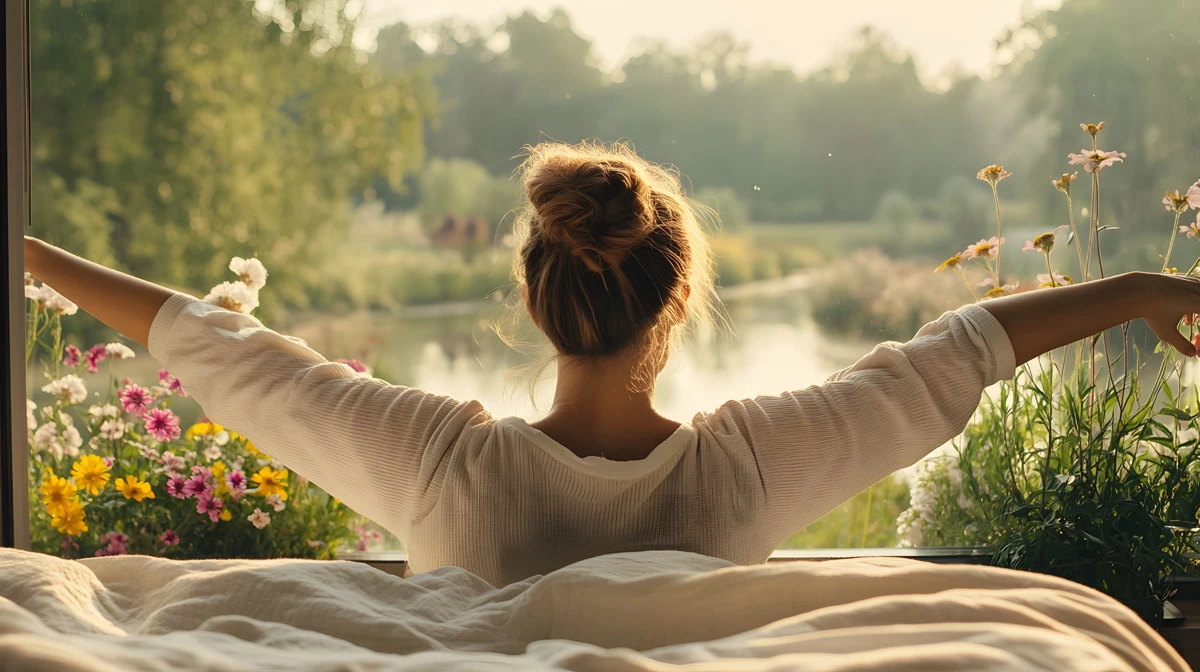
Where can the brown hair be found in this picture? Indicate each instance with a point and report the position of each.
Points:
(611, 254)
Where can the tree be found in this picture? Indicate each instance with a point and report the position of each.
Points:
(1132, 65)
(170, 135)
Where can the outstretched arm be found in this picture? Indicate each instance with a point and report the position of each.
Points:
(373, 445)
(819, 446)
(1038, 322)
(123, 302)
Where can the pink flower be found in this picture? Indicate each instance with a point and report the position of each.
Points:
(236, 481)
(1044, 280)
(71, 355)
(1095, 161)
(169, 538)
(259, 518)
(196, 486)
(116, 544)
(206, 503)
(171, 382)
(1192, 230)
(134, 399)
(94, 355)
(354, 364)
(108, 462)
(987, 247)
(1028, 246)
(163, 424)
(177, 486)
(1193, 196)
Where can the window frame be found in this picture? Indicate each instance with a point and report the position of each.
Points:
(14, 452)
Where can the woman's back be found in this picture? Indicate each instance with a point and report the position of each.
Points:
(505, 501)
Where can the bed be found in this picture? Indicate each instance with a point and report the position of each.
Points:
(651, 611)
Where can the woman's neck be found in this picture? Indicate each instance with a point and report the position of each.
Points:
(597, 413)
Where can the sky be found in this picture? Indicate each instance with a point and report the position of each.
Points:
(801, 33)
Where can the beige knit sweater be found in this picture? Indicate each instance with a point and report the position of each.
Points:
(503, 500)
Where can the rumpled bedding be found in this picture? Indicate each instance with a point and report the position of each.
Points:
(650, 611)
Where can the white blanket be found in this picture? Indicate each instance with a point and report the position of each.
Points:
(645, 611)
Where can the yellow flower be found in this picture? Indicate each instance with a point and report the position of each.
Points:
(952, 262)
(1092, 129)
(222, 489)
(993, 174)
(218, 469)
(226, 515)
(203, 429)
(134, 489)
(69, 519)
(57, 494)
(271, 482)
(1171, 270)
(1064, 183)
(90, 473)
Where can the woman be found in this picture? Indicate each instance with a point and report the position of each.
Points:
(612, 263)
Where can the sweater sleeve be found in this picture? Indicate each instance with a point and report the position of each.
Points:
(375, 446)
(815, 448)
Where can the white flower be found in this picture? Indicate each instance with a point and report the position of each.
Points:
(30, 421)
(251, 271)
(1065, 479)
(221, 438)
(212, 453)
(70, 388)
(259, 519)
(105, 411)
(239, 462)
(72, 440)
(235, 296)
(44, 436)
(276, 502)
(189, 455)
(57, 302)
(146, 451)
(171, 462)
(35, 294)
(119, 350)
(112, 429)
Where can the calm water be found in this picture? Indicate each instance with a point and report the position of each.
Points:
(773, 346)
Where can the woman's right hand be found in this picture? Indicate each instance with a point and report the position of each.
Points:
(1171, 298)
(1042, 320)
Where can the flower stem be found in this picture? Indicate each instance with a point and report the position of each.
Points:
(31, 336)
(999, 233)
(1075, 233)
(1171, 245)
(1096, 219)
(867, 519)
(972, 289)
(1050, 270)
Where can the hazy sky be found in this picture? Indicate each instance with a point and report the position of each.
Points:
(802, 33)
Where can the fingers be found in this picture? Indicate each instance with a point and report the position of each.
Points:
(1179, 342)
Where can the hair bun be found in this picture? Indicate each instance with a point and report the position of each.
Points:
(597, 209)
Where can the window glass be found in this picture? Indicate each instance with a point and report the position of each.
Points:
(362, 151)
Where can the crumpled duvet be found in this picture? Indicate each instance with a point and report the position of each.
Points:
(650, 611)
